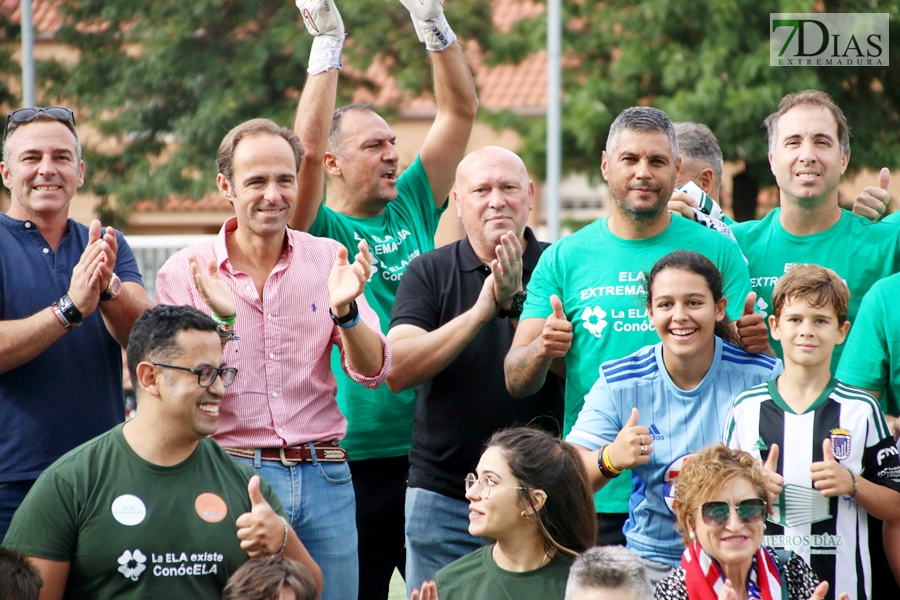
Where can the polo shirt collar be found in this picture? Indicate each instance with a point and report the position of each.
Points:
(27, 225)
(229, 227)
(469, 261)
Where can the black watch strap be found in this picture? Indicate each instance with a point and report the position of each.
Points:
(350, 316)
(515, 309)
(69, 310)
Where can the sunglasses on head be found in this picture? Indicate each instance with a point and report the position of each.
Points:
(24, 115)
(716, 514)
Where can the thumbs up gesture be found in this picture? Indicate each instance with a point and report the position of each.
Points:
(829, 476)
(751, 328)
(556, 336)
(633, 445)
(261, 530)
(873, 202)
(776, 481)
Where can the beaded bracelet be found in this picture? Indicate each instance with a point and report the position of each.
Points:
(855, 484)
(284, 542)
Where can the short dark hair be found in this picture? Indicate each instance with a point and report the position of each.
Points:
(225, 156)
(610, 567)
(644, 119)
(19, 579)
(697, 142)
(567, 521)
(694, 262)
(263, 578)
(153, 334)
(335, 135)
(808, 98)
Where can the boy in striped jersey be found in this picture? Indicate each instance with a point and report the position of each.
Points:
(839, 461)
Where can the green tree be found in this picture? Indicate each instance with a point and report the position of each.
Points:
(705, 62)
(166, 79)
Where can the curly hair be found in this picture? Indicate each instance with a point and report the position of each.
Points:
(567, 521)
(708, 472)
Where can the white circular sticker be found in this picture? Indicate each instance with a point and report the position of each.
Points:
(129, 509)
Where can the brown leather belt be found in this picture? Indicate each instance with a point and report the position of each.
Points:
(325, 452)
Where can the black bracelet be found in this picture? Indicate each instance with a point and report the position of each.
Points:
(69, 310)
(603, 470)
(352, 314)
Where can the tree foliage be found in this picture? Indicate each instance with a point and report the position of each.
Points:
(166, 79)
(705, 62)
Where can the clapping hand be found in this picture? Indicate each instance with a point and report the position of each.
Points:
(347, 281)
(507, 269)
(212, 287)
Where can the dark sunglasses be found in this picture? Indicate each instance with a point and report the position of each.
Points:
(716, 514)
(24, 115)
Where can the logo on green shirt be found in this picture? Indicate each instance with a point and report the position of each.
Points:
(594, 320)
(132, 564)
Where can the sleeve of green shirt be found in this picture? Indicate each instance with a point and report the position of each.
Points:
(46, 523)
(865, 362)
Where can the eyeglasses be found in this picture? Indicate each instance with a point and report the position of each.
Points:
(485, 484)
(207, 375)
(716, 514)
(24, 115)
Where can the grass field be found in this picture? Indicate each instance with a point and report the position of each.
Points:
(398, 588)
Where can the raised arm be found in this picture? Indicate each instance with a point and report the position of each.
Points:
(454, 92)
(539, 346)
(419, 355)
(314, 112)
(347, 282)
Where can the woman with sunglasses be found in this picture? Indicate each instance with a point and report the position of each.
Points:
(530, 496)
(720, 505)
(651, 409)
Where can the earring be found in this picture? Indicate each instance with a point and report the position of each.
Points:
(692, 535)
(525, 515)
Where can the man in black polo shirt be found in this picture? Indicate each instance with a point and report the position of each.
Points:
(452, 324)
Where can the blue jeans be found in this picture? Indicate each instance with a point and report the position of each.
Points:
(319, 502)
(437, 533)
(11, 495)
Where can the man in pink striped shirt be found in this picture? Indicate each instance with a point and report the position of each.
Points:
(290, 297)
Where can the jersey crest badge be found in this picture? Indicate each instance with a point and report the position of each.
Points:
(672, 473)
(840, 443)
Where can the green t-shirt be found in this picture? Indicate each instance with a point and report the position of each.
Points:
(132, 529)
(600, 279)
(859, 251)
(872, 357)
(379, 422)
(476, 576)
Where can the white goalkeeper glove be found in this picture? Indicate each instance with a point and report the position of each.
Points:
(430, 23)
(323, 21)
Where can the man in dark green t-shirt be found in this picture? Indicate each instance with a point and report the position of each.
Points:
(153, 508)
(398, 216)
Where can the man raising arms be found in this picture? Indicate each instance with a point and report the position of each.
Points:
(398, 217)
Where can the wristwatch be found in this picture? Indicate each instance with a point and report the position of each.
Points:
(113, 289)
(65, 308)
(349, 317)
(513, 312)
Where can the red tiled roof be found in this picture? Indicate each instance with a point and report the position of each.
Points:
(45, 18)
